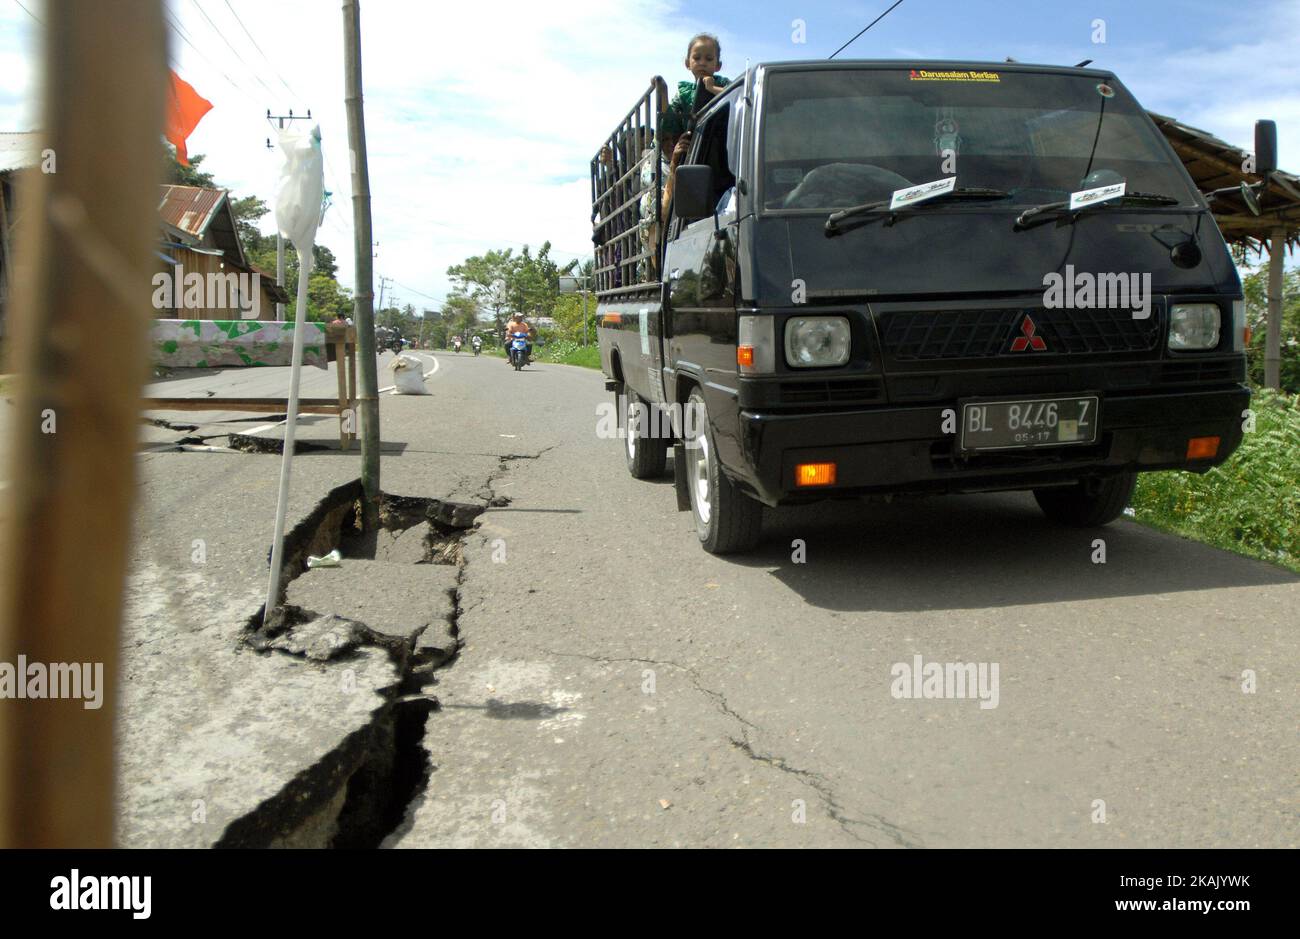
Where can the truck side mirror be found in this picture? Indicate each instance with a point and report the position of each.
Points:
(1265, 147)
(691, 192)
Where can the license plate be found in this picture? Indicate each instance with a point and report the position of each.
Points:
(1038, 422)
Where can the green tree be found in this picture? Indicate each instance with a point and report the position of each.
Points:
(460, 313)
(534, 282)
(487, 279)
(568, 317)
(326, 299)
(1255, 289)
(174, 172)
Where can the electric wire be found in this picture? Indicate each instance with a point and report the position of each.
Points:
(29, 13)
(269, 61)
(231, 47)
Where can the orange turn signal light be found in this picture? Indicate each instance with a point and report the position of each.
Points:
(745, 355)
(814, 474)
(1202, 448)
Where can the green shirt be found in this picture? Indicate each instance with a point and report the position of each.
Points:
(678, 114)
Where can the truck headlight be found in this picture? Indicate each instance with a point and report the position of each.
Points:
(816, 341)
(1194, 326)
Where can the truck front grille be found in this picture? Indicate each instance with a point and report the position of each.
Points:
(929, 335)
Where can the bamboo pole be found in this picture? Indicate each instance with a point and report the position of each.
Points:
(368, 399)
(80, 328)
(1273, 331)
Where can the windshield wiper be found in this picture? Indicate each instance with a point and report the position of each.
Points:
(1051, 209)
(971, 192)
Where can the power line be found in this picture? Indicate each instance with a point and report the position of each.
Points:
(222, 35)
(442, 299)
(184, 36)
(29, 13)
(864, 29)
(269, 62)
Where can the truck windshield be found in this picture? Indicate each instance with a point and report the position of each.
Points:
(841, 137)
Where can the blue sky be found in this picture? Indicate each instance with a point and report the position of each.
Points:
(482, 116)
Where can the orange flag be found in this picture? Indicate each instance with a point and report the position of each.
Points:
(185, 108)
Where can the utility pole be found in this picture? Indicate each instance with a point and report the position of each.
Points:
(1273, 327)
(279, 239)
(368, 399)
(383, 282)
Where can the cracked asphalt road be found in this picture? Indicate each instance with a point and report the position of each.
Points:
(619, 687)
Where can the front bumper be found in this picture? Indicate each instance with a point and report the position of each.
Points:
(902, 449)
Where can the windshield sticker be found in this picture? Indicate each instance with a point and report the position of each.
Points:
(922, 75)
(1105, 90)
(1093, 196)
(914, 194)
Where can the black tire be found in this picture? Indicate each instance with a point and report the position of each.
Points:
(646, 457)
(726, 520)
(1088, 505)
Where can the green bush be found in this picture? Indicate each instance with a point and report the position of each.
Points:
(1250, 504)
(569, 352)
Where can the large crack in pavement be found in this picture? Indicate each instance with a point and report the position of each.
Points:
(874, 822)
(359, 792)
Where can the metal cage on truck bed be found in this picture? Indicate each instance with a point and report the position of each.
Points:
(627, 180)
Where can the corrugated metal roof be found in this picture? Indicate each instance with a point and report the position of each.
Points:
(190, 208)
(18, 151)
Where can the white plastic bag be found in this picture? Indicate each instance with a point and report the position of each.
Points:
(408, 376)
(302, 187)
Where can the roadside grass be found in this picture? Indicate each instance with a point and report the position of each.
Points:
(1251, 504)
(568, 352)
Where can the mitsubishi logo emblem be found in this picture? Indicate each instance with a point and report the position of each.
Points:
(1028, 340)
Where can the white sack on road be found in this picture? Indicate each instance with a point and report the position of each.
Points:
(408, 375)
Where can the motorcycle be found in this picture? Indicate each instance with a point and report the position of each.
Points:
(518, 350)
(397, 347)
(477, 344)
(455, 344)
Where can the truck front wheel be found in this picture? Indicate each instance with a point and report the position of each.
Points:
(726, 520)
(1088, 504)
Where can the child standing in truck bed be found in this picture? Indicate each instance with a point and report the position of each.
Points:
(703, 59)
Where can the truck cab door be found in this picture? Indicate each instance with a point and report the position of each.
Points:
(700, 262)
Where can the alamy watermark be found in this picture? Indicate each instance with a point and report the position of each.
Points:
(90, 892)
(673, 421)
(1087, 291)
(920, 679)
(36, 680)
(194, 291)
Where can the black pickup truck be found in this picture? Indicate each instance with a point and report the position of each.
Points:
(895, 277)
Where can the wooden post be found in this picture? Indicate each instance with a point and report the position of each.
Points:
(365, 286)
(1273, 335)
(80, 330)
(6, 264)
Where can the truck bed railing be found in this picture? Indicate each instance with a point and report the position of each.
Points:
(625, 227)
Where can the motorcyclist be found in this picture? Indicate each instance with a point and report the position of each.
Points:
(477, 343)
(518, 324)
